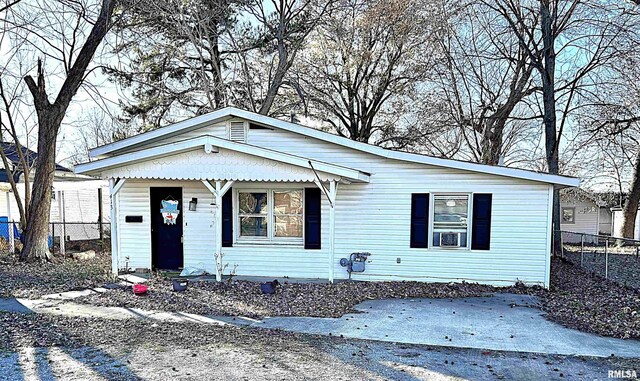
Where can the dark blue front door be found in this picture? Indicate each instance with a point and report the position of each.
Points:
(166, 238)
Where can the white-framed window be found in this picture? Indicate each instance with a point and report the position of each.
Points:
(288, 219)
(450, 222)
(253, 211)
(568, 215)
(269, 215)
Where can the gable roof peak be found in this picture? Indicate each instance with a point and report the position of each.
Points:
(230, 111)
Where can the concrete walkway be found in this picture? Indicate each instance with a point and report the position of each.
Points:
(504, 322)
(65, 308)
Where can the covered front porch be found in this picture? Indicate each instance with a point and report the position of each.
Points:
(241, 210)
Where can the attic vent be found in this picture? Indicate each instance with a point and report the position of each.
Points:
(237, 132)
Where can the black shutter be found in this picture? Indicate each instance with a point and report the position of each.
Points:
(481, 222)
(312, 218)
(227, 219)
(420, 220)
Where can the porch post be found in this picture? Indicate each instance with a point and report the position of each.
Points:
(218, 191)
(114, 188)
(218, 196)
(333, 189)
(114, 227)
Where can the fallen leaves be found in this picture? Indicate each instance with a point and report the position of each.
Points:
(32, 280)
(577, 299)
(290, 299)
(587, 302)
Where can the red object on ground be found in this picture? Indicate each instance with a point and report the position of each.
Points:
(140, 289)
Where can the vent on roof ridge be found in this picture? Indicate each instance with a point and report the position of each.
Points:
(237, 132)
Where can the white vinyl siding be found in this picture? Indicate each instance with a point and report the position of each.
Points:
(585, 217)
(376, 217)
(198, 226)
(218, 130)
(373, 217)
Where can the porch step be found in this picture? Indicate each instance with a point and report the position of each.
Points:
(130, 278)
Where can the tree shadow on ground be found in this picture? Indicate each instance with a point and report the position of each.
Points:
(46, 350)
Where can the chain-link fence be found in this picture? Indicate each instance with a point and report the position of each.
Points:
(64, 237)
(613, 258)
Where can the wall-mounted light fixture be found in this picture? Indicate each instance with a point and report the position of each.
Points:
(192, 204)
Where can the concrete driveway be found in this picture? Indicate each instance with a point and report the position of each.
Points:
(503, 322)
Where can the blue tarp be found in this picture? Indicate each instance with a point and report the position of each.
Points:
(4, 229)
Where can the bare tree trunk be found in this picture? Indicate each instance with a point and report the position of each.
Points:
(37, 232)
(50, 117)
(274, 86)
(549, 102)
(631, 207)
(492, 139)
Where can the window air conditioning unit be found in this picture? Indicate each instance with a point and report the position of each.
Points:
(449, 239)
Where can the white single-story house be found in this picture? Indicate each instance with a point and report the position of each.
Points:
(235, 191)
(582, 211)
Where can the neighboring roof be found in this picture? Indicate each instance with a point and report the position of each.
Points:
(610, 200)
(228, 112)
(211, 144)
(11, 151)
(4, 177)
(613, 199)
(580, 194)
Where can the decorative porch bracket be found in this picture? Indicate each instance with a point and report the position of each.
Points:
(219, 190)
(331, 194)
(114, 187)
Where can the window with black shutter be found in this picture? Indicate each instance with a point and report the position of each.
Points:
(481, 221)
(312, 219)
(419, 220)
(227, 219)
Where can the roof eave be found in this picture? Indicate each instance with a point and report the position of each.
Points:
(558, 180)
(213, 143)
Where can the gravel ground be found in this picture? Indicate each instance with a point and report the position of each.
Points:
(49, 348)
(32, 280)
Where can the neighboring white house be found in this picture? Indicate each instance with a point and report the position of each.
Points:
(618, 220)
(584, 212)
(236, 190)
(78, 197)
